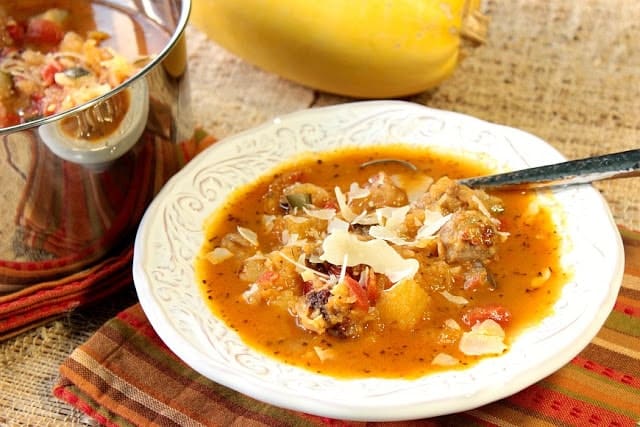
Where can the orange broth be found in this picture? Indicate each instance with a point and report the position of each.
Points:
(533, 246)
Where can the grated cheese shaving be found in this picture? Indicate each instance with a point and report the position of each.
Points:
(323, 353)
(485, 338)
(376, 253)
(541, 278)
(390, 235)
(268, 221)
(249, 235)
(345, 211)
(296, 219)
(337, 224)
(456, 299)
(433, 222)
(326, 214)
(444, 359)
(452, 324)
(302, 267)
(365, 218)
(252, 295)
(392, 218)
(357, 192)
(219, 255)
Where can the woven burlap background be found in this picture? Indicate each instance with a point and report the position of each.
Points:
(568, 72)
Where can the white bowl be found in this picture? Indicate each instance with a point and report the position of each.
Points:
(171, 234)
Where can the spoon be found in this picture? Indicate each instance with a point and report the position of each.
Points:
(581, 171)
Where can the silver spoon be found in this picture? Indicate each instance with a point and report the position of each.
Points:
(581, 171)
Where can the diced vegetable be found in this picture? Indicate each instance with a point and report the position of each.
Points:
(497, 313)
(44, 31)
(404, 304)
(49, 71)
(362, 300)
(15, 31)
(298, 200)
(76, 72)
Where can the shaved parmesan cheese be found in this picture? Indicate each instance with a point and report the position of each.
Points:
(252, 295)
(307, 275)
(484, 338)
(343, 270)
(337, 224)
(268, 221)
(433, 222)
(417, 187)
(357, 192)
(365, 218)
(452, 324)
(300, 266)
(390, 220)
(391, 217)
(345, 211)
(375, 253)
(315, 259)
(292, 239)
(482, 208)
(219, 255)
(287, 237)
(326, 214)
(541, 278)
(444, 359)
(456, 299)
(296, 219)
(324, 353)
(388, 234)
(249, 235)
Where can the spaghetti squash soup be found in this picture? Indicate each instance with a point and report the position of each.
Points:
(380, 271)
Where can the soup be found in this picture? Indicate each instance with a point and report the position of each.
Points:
(380, 270)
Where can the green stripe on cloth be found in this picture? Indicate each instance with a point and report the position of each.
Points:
(623, 323)
(596, 390)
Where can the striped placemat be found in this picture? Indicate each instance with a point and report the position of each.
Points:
(125, 375)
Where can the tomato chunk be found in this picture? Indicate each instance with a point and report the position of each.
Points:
(362, 300)
(49, 71)
(15, 31)
(44, 31)
(497, 313)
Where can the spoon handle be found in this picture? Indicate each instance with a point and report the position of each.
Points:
(615, 165)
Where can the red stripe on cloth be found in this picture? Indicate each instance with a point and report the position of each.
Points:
(606, 372)
(566, 409)
(41, 294)
(627, 309)
(65, 305)
(64, 393)
(142, 326)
